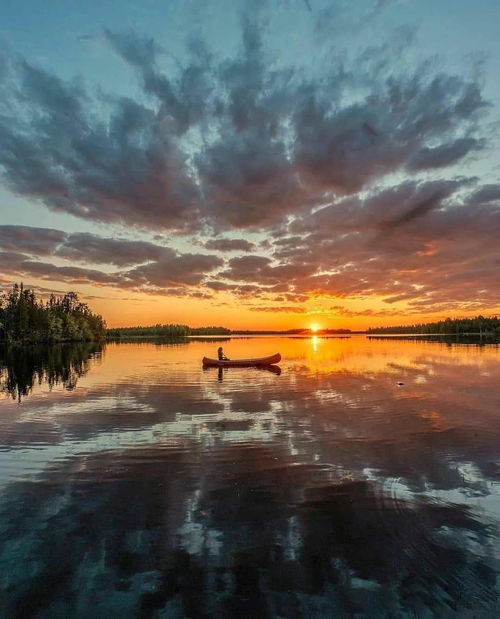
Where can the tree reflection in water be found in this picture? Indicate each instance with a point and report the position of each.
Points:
(23, 367)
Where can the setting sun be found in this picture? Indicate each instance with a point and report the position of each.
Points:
(315, 327)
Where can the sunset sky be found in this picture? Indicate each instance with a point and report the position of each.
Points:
(253, 164)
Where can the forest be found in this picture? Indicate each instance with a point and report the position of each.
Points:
(164, 331)
(26, 319)
(451, 326)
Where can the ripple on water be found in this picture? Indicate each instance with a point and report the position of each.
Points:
(152, 486)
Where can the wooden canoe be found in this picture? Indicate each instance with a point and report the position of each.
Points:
(238, 363)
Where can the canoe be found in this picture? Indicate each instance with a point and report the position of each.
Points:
(238, 363)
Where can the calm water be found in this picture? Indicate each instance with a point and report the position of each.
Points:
(135, 483)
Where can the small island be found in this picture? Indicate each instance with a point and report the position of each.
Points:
(479, 325)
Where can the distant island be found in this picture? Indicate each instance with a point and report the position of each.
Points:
(167, 331)
(480, 325)
(176, 330)
(297, 332)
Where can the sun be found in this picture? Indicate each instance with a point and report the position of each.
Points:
(315, 327)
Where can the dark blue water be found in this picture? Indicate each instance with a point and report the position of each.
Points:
(362, 481)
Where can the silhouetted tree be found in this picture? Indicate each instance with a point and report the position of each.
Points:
(24, 318)
(450, 326)
(167, 331)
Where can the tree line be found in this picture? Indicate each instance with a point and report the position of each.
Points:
(480, 325)
(170, 331)
(26, 319)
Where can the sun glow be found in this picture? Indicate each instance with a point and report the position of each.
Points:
(315, 327)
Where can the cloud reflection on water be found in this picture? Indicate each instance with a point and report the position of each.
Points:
(326, 490)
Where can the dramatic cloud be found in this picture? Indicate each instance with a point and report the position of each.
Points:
(90, 248)
(160, 267)
(187, 269)
(123, 169)
(417, 242)
(346, 171)
(274, 142)
(82, 247)
(40, 241)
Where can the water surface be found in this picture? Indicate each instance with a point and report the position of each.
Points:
(360, 481)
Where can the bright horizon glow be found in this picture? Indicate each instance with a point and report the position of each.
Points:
(315, 327)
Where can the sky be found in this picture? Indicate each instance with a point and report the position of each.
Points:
(253, 164)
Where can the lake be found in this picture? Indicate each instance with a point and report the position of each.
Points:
(361, 480)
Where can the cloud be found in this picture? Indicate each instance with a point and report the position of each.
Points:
(230, 245)
(485, 195)
(445, 155)
(40, 241)
(124, 169)
(349, 172)
(11, 259)
(229, 143)
(340, 310)
(161, 269)
(87, 247)
(73, 274)
(79, 246)
(285, 309)
(344, 18)
(415, 242)
(185, 269)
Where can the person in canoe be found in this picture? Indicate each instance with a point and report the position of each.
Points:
(221, 355)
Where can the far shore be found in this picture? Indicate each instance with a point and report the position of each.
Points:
(495, 337)
(306, 335)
